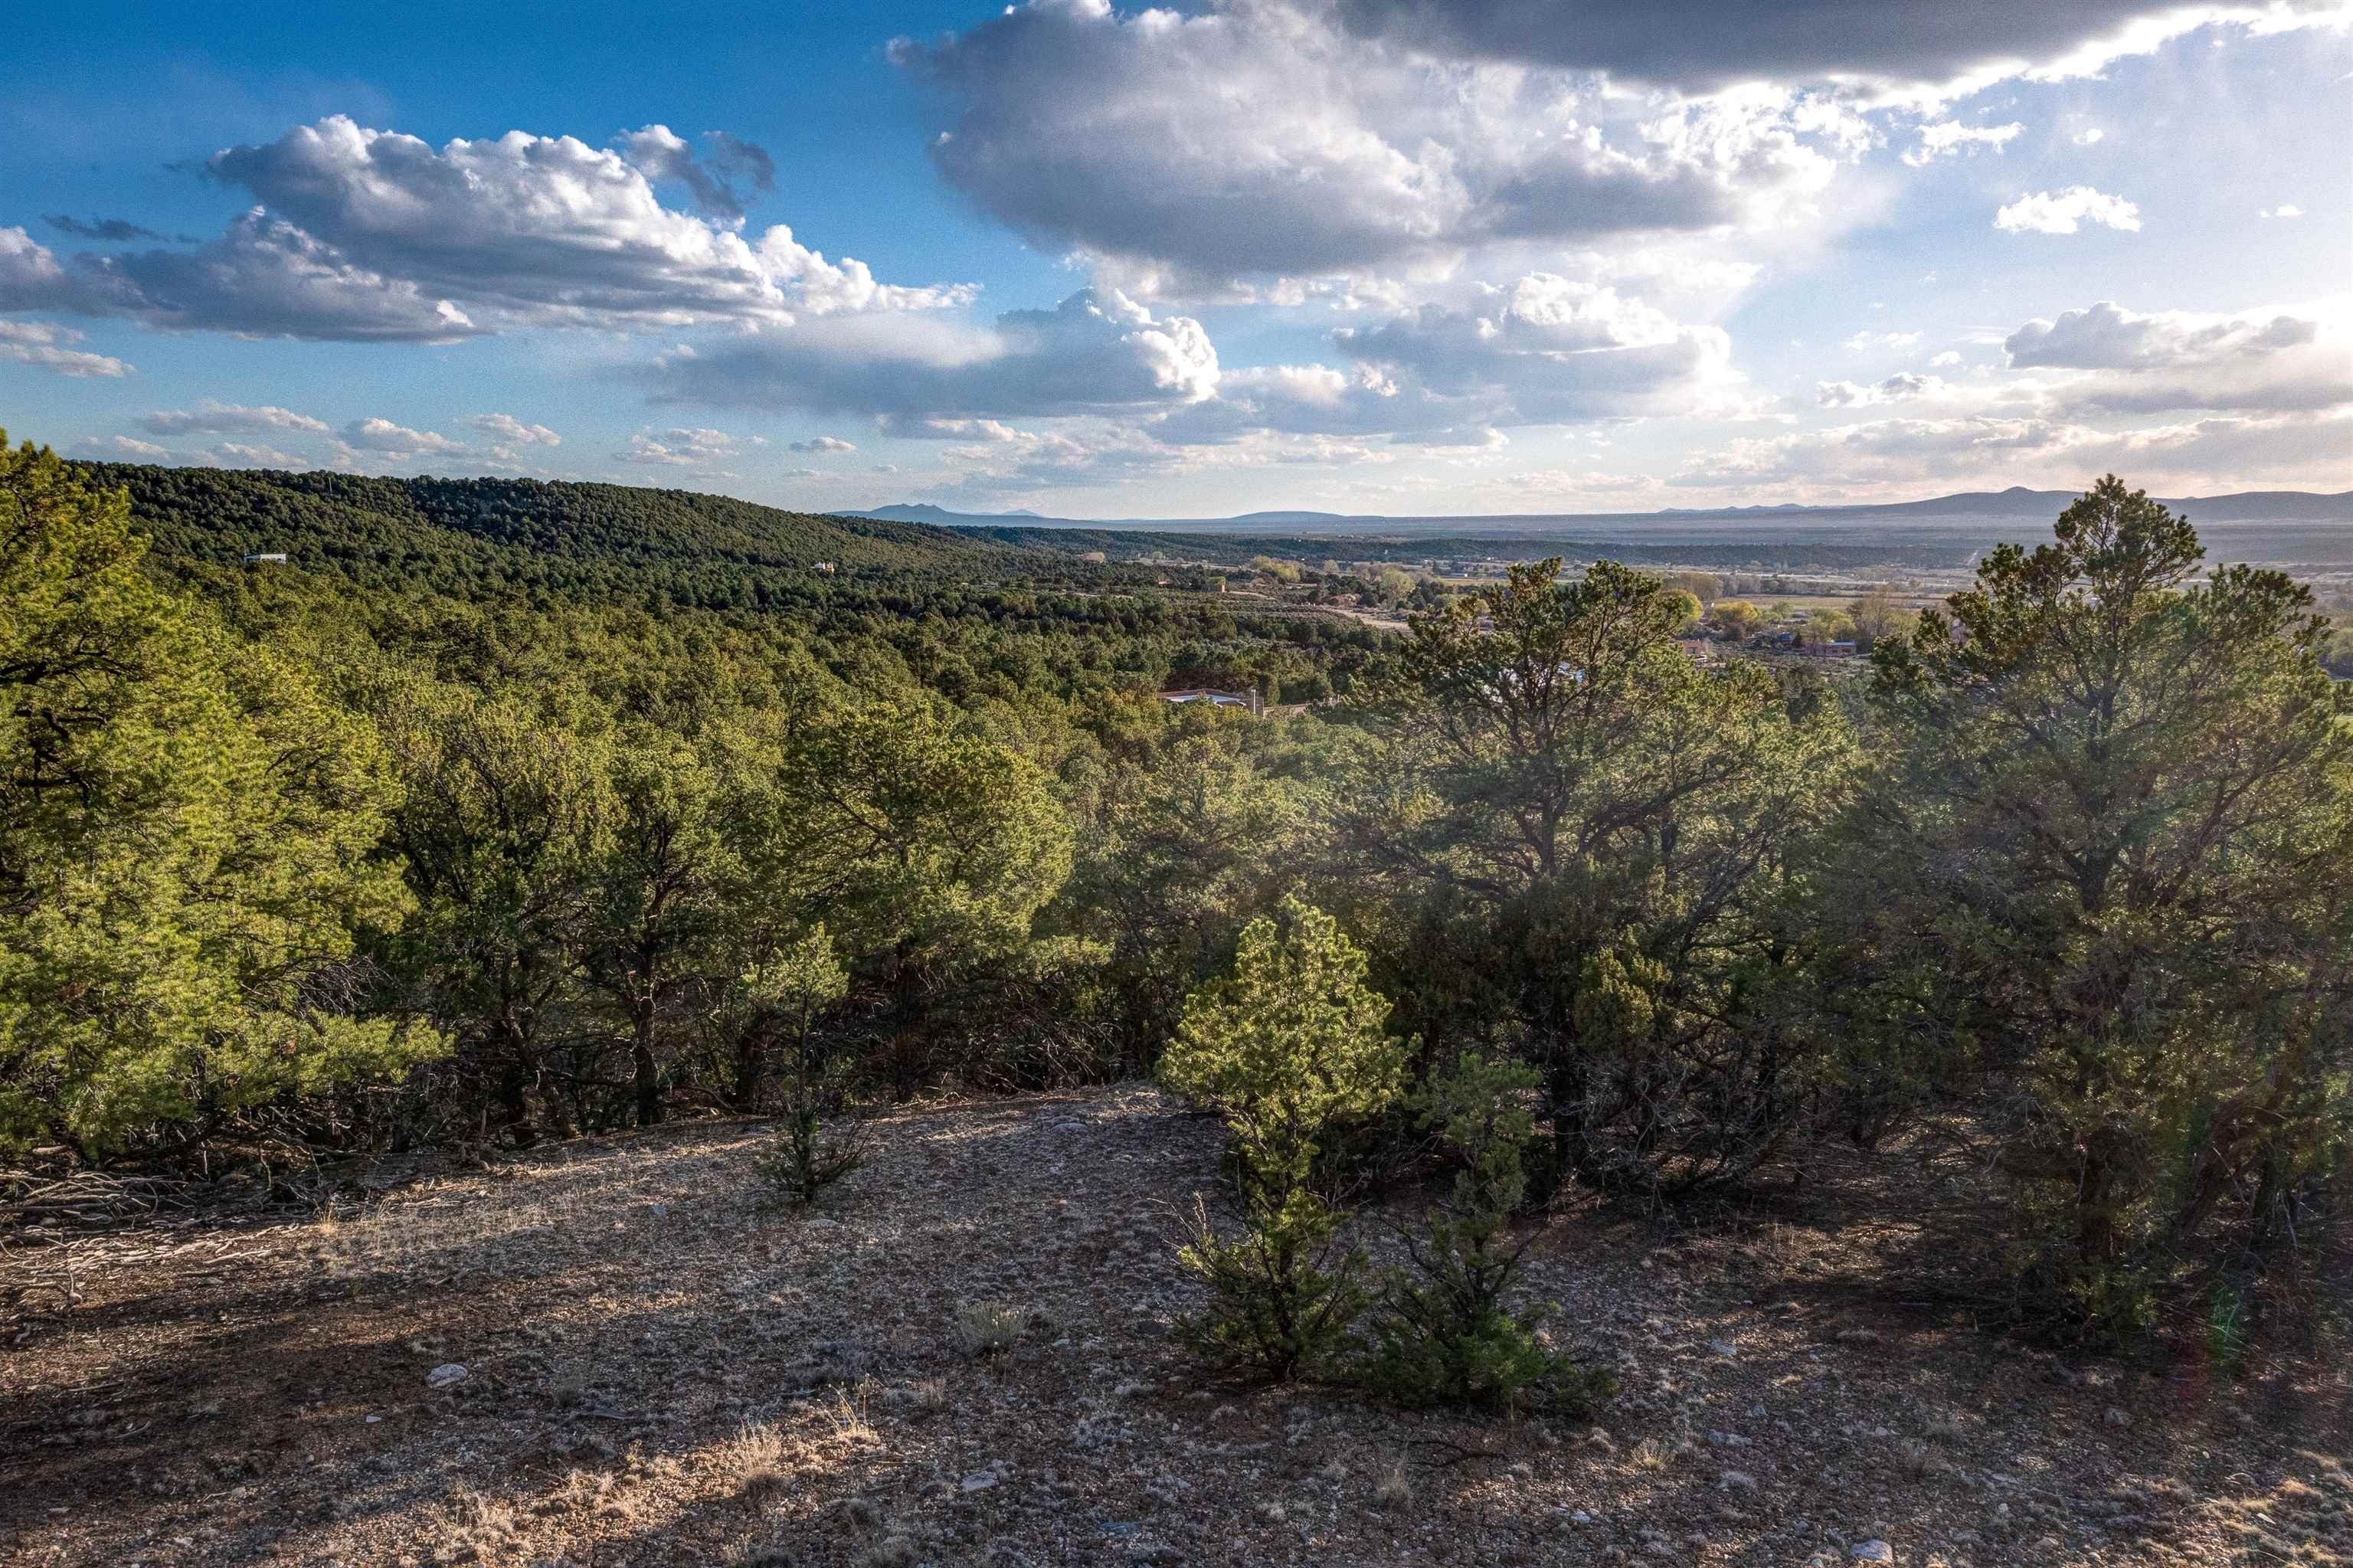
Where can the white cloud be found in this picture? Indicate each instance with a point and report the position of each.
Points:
(2107, 336)
(507, 429)
(686, 448)
(1947, 138)
(2120, 361)
(2089, 136)
(398, 441)
(1890, 43)
(1262, 138)
(2063, 212)
(126, 449)
(824, 444)
(1998, 451)
(239, 454)
(1893, 390)
(2286, 209)
(1098, 352)
(370, 235)
(41, 345)
(1864, 342)
(228, 419)
(1945, 360)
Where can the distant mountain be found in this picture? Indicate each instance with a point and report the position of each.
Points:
(2244, 506)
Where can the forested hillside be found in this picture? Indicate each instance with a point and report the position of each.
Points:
(510, 812)
(496, 537)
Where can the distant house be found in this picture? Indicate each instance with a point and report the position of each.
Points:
(271, 558)
(1699, 650)
(1835, 649)
(825, 567)
(1249, 702)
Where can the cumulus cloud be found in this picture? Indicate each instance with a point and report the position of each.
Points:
(2007, 450)
(398, 441)
(1097, 352)
(2286, 209)
(2132, 362)
(242, 454)
(229, 419)
(1946, 138)
(2064, 212)
(125, 448)
(511, 431)
(1702, 43)
(1893, 390)
(1543, 350)
(2107, 336)
(686, 448)
(1262, 138)
(660, 153)
(824, 444)
(367, 235)
(42, 345)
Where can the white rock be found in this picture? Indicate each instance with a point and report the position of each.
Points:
(1871, 1552)
(980, 1481)
(446, 1374)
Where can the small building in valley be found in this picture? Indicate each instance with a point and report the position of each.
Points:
(1249, 702)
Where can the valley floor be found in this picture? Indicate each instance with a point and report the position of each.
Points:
(658, 1369)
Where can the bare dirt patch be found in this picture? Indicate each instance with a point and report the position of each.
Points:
(963, 1356)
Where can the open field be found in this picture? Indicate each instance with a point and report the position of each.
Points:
(967, 1357)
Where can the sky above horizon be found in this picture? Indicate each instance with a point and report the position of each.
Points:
(1414, 256)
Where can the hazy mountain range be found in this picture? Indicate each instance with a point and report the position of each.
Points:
(1966, 507)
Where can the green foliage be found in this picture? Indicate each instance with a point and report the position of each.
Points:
(185, 837)
(1576, 806)
(1446, 1336)
(1285, 1046)
(1737, 618)
(790, 992)
(2111, 853)
(1287, 1043)
(1183, 842)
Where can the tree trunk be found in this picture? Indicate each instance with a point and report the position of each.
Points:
(750, 1066)
(642, 1057)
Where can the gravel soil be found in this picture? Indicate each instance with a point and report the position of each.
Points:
(616, 1351)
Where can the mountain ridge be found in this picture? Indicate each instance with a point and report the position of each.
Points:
(2019, 500)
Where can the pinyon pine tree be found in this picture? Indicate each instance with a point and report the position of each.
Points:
(186, 828)
(1286, 1046)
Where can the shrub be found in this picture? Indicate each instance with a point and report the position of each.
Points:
(792, 989)
(1446, 1336)
(805, 1157)
(1285, 1045)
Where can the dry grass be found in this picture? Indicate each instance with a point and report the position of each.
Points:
(988, 1328)
(754, 1463)
(845, 1416)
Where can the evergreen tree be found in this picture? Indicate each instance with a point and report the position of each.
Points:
(187, 838)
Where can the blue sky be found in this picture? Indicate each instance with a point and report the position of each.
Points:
(1408, 256)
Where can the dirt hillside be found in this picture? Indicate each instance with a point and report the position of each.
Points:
(617, 1353)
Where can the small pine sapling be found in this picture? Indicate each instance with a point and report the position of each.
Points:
(1445, 1336)
(794, 989)
(1285, 1045)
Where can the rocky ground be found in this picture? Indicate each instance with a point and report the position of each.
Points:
(616, 1352)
